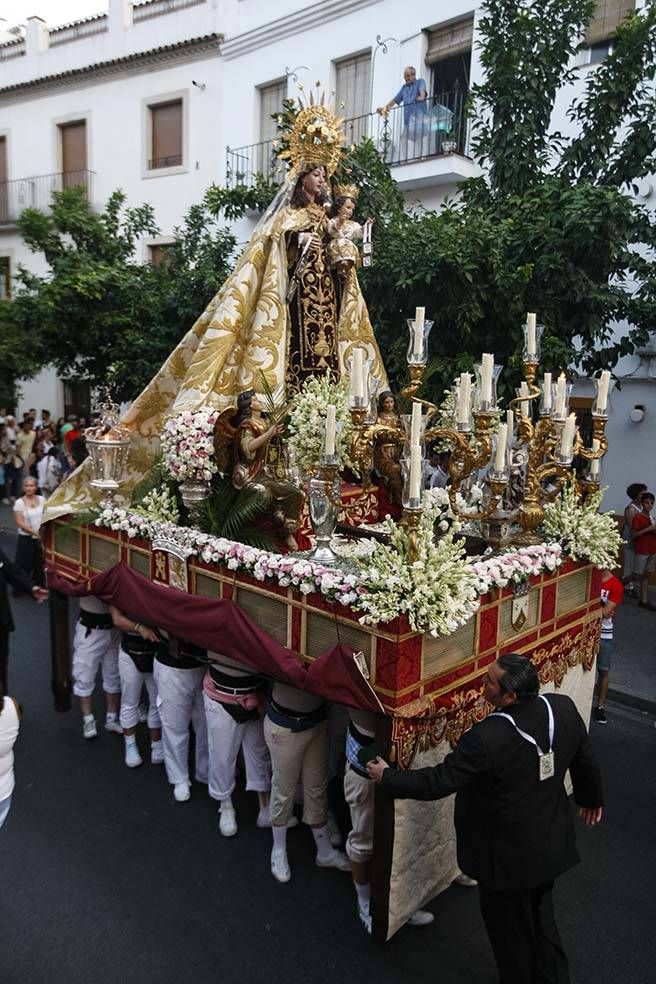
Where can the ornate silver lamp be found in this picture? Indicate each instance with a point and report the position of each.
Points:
(109, 446)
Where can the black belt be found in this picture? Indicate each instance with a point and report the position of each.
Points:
(135, 645)
(182, 655)
(95, 620)
(317, 714)
(359, 736)
(225, 683)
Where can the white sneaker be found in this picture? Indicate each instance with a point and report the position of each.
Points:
(113, 724)
(89, 729)
(334, 833)
(156, 753)
(264, 819)
(365, 918)
(280, 866)
(463, 879)
(181, 792)
(421, 918)
(132, 756)
(335, 859)
(227, 821)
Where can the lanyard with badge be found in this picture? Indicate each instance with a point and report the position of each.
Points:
(546, 764)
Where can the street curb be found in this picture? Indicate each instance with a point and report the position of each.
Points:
(629, 700)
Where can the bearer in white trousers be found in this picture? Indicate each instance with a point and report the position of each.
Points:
(139, 644)
(359, 792)
(234, 701)
(95, 645)
(296, 732)
(178, 672)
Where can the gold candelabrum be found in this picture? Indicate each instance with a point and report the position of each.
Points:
(522, 475)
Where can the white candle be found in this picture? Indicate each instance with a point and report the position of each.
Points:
(531, 336)
(464, 399)
(487, 367)
(594, 464)
(546, 392)
(357, 374)
(567, 436)
(561, 396)
(418, 333)
(524, 391)
(602, 391)
(502, 441)
(415, 472)
(510, 423)
(329, 444)
(415, 425)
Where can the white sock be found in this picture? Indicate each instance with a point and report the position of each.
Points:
(87, 717)
(322, 840)
(363, 893)
(111, 716)
(156, 745)
(130, 740)
(280, 839)
(226, 804)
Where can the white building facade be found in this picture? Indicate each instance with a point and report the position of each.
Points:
(164, 97)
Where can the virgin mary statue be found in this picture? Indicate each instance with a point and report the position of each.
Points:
(282, 315)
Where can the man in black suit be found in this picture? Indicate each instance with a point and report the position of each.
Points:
(514, 824)
(19, 580)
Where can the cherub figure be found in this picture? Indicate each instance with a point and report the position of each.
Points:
(343, 254)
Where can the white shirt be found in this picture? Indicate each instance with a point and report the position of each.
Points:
(48, 471)
(32, 516)
(9, 725)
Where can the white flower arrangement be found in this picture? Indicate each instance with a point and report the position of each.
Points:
(160, 505)
(437, 512)
(188, 446)
(307, 424)
(437, 592)
(584, 532)
(515, 566)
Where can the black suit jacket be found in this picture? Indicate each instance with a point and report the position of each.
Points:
(18, 579)
(514, 831)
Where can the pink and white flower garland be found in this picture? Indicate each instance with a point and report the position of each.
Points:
(188, 445)
(517, 565)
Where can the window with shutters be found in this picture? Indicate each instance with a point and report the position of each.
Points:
(166, 135)
(449, 55)
(352, 85)
(4, 188)
(159, 255)
(5, 278)
(272, 97)
(73, 153)
(608, 15)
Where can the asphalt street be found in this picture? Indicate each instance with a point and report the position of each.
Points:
(105, 879)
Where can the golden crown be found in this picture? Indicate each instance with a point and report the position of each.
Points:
(346, 191)
(316, 137)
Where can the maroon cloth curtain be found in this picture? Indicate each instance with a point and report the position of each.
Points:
(222, 627)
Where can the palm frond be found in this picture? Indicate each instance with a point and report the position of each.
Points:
(234, 513)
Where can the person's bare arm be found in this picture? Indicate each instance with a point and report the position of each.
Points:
(22, 523)
(608, 608)
(121, 621)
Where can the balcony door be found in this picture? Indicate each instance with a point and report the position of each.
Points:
(352, 95)
(73, 138)
(449, 58)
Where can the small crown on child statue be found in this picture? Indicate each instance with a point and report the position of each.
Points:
(346, 191)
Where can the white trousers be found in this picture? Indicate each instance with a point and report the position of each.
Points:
(224, 738)
(131, 683)
(180, 703)
(98, 648)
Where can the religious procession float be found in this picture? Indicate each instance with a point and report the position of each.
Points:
(263, 497)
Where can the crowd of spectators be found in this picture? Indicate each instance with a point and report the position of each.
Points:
(40, 448)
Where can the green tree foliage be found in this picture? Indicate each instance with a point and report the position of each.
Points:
(98, 314)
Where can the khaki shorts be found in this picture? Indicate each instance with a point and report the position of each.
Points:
(644, 563)
(359, 794)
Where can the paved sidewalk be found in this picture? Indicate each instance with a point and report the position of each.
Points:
(633, 671)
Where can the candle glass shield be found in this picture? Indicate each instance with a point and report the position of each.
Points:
(598, 411)
(526, 406)
(406, 419)
(323, 506)
(109, 447)
(527, 355)
(418, 343)
(546, 408)
(358, 402)
(500, 474)
(409, 501)
(560, 413)
(482, 404)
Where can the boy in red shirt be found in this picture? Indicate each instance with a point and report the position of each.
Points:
(644, 545)
(612, 592)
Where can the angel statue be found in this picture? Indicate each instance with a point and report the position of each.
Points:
(241, 439)
(284, 313)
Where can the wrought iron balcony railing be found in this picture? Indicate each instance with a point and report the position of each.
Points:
(418, 132)
(37, 192)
